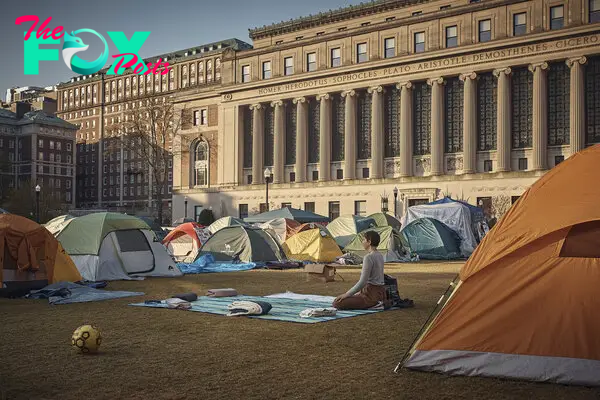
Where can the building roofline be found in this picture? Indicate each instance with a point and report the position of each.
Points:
(341, 14)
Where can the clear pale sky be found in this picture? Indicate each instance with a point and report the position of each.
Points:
(175, 25)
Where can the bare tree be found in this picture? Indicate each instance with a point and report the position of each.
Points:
(22, 201)
(147, 130)
(500, 205)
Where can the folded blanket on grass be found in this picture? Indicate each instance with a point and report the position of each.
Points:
(214, 267)
(67, 293)
(229, 292)
(318, 312)
(245, 307)
(298, 296)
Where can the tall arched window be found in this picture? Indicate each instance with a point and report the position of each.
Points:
(218, 69)
(200, 166)
(209, 71)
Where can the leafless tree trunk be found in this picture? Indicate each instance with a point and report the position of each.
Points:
(148, 132)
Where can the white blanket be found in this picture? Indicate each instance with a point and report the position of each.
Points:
(297, 296)
(318, 312)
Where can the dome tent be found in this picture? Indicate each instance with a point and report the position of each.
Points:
(223, 223)
(283, 228)
(345, 228)
(431, 240)
(527, 302)
(289, 213)
(383, 219)
(249, 244)
(312, 245)
(31, 257)
(184, 242)
(111, 246)
(390, 244)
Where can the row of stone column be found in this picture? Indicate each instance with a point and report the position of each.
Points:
(470, 127)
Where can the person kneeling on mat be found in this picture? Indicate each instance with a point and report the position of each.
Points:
(369, 290)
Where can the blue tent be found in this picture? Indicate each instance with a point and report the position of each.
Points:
(432, 240)
(476, 212)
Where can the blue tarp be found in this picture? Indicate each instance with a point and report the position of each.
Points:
(68, 292)
(206, 264)
(476, 212)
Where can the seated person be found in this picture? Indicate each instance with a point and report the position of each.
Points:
(369, 290)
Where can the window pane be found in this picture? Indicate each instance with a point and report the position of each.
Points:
(362, 48)
(485, 36)
(420, 37)
(419, 47)
(595, 5)
(451, 31)
(312, 57)
(485, 25)
(556, 12)
(520, 19)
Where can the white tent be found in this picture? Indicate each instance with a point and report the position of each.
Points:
(111, 246)
(56, 225)
(456, 216)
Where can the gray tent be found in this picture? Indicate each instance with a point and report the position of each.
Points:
(248, 244)
(432, 240)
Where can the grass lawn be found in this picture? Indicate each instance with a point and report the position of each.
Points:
(170, 354)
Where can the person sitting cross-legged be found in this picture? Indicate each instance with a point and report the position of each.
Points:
(369, 290)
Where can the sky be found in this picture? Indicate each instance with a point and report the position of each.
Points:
(174, 25)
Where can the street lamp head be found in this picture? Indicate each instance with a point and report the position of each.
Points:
(185, 198)
(267, 173)
(395, 191)
(38, 188)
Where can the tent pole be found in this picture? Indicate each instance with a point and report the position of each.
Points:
(405, 356)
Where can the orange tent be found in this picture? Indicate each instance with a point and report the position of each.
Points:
(308, 226)
(185, 241)
(30, 256)
(526, 306)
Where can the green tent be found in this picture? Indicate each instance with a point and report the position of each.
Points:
(432, 240)
(248, 243)
(383, 219)
(390, 243)
(84, 235)
(345, 228)
(288, 213)
(223, 223)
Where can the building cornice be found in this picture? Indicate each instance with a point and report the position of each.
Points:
(408, 20)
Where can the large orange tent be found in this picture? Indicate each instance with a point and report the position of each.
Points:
(526, 306)
(30, 256)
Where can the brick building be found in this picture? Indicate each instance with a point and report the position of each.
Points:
(37, 149)
(110, 177)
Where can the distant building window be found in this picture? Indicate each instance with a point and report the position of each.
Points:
(361, 53)
(245, 73)
(522, 164)
(336, 57)
(557, 17)
(419, 42)
(445, 7)
(309, 206)
(365, 173)
(41, 143)
(414, 14)
(320, 33)
(558, 160)
(451, 36)
(594, 11)
(311, 62)
(485, 30)
(360, 208)
(519, 24)
(292, 177)
(388, 19)
(266, 70)
(315, 175)
(389, 45)
(487, 166)
(286, 205)
(339, 173)
(334, 210)
(243, 211)
(288, 65)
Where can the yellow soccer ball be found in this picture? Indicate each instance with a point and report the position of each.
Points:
(86, 339)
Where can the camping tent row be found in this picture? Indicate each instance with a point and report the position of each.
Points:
(527, 301)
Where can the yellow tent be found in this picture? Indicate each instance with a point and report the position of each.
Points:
(29, 254)
(312, 245)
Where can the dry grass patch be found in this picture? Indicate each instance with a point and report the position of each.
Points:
(167, 354)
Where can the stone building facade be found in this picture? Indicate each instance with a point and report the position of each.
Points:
(111, 176)
(37, 149)
(465, 98)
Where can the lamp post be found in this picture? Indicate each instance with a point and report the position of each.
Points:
(267, 177)
(185, 207)
(37, 203)
(396, 201)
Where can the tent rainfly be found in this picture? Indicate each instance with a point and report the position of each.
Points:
(390, 244)
(383, 219)
(288, 213)
(112, 246)
(345, 228)
(56, 225)
(313, 245)
(526, 306)
(184, 242)
(283, 228)
(248, 244)
(432, 240)
(31, 257)
(224, 223)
